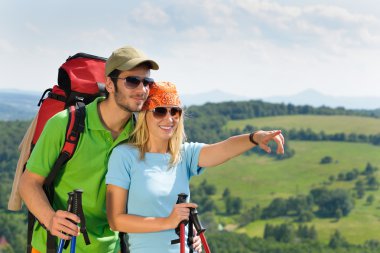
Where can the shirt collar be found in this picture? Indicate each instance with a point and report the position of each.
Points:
(93, 119)
(94, 122)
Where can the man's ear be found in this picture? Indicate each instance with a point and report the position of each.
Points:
(110, 86)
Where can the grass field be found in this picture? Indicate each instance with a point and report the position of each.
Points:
(257, 180)
(328, 124)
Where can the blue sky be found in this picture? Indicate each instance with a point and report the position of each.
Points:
(253, 48)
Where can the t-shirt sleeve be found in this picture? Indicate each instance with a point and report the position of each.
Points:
(49, 145)
(191, 153)
(119, 165)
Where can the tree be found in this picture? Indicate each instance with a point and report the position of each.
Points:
(199, 195)
(281, 233)
(330, 201)
(370, 199)
(250, 215)
(226, 193)
(372, 182)
(233, 205)
(305, 216)
(337, 240)
(313, 235)
(360, 188)
(209, 189)
(299, 204)
(338, 214)
(369, 169)
(326, 160)
(305, 233)
(278, 207)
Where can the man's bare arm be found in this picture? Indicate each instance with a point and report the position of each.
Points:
(34, 197)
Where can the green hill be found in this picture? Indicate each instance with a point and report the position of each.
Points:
(258, 180)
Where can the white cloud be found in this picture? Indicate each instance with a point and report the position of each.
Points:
(33, 28)
(100, 34)
(6, 46)
(338, 13)
(197, 33)
(149, 14)
(313, 23)
(269, 10)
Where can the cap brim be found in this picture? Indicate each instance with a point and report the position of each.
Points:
(137, 61)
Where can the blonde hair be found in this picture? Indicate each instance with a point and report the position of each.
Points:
(140, 137)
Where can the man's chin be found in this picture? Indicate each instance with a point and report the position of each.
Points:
(139, 107)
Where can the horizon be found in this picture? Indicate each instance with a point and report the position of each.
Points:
(310, 97)
(257, 47)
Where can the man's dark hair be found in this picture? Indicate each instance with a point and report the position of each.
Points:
(114, 75)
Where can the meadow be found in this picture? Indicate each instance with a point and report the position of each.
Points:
(259, 179)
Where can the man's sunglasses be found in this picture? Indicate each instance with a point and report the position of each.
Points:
(160, 112)
(132, 82)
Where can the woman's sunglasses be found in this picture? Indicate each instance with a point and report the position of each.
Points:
(160, 112)
(132, 82)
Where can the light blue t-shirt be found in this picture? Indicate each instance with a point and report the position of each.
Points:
(153, 189)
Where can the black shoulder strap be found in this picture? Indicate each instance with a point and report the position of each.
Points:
(124, 247)
(31, 221)
(75, 127)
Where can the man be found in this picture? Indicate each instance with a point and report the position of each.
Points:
(108, 122)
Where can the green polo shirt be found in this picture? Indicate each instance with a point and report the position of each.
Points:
(86, 170)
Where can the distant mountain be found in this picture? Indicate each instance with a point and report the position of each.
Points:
(308, 97)
(18, 105)
(214, 96)
(316, 99)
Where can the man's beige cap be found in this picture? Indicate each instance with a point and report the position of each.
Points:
(126, 58)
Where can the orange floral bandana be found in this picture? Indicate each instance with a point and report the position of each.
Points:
(162, 94)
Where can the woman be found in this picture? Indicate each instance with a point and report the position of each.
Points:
(149, 172)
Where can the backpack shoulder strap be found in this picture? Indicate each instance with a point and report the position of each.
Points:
(75, 127)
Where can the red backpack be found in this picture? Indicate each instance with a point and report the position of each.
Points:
(80, 77)
(80, 80)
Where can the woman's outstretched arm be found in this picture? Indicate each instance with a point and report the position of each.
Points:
(218, 153)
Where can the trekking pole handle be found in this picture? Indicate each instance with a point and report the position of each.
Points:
(63, 243)
(79, 212)
(197, 223)
(77, 200)
(200, 230)
(182, 199)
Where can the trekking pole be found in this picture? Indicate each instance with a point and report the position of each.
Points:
(199, 228)
(80, 213)
(182, 199)
(69, 206)
(77, 198)
(190, 234)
